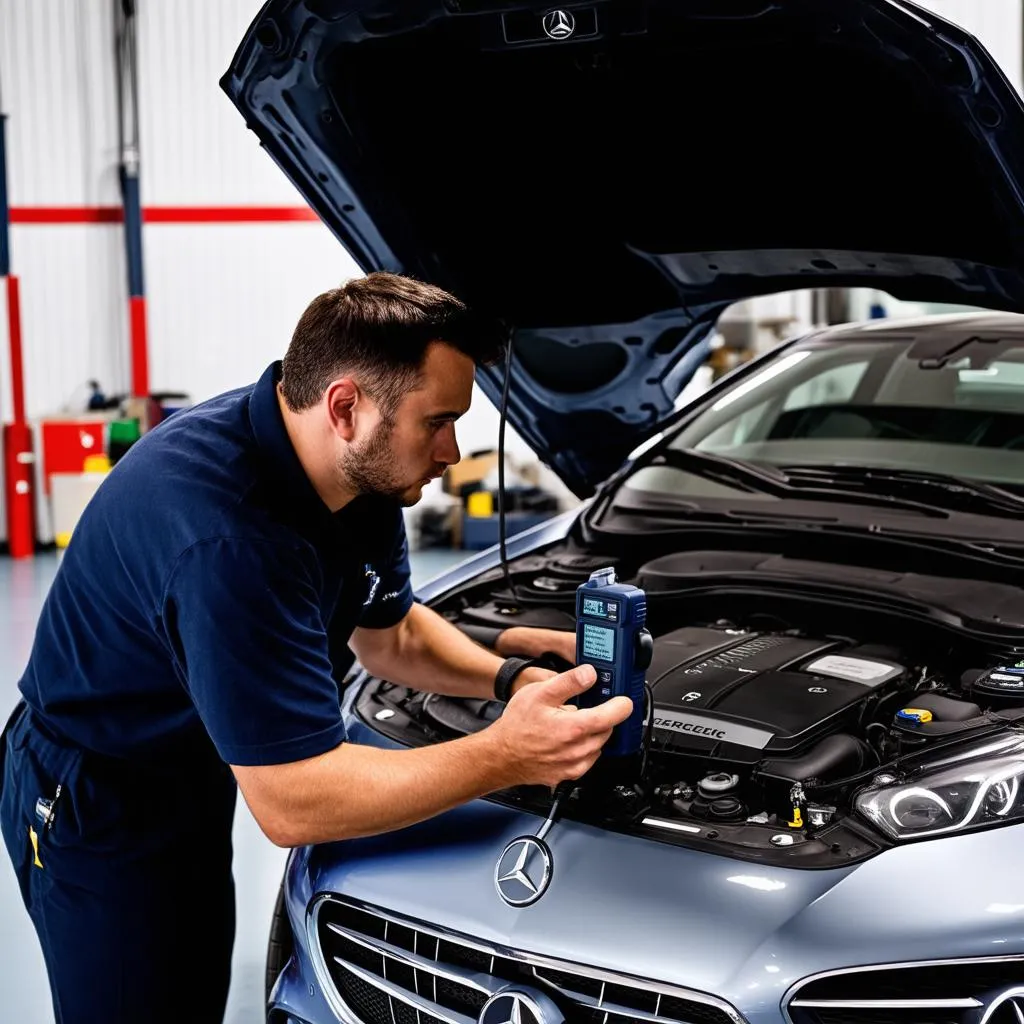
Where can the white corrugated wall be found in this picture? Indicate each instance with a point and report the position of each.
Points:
(58, 93)
(222, 298)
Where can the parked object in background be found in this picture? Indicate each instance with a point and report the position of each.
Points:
(465, 476)
(474, 483)
(68, 441)
(526, 505)
(69, 494)
(109, 426)
(122, 434)
(480, 532)
(433, 521)
(167, 403)
(480, 504)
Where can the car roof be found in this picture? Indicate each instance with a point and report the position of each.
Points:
(938, 326)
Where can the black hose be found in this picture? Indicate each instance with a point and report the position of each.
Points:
(834, 753)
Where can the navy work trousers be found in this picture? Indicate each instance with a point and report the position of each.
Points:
(130, 891)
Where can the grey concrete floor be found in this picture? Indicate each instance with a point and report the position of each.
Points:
(258, 864)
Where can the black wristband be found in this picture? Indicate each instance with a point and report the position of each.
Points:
(506, 676)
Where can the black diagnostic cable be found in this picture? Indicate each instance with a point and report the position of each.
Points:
(501, 466)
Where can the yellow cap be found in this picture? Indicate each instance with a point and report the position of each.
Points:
(96, 464)
(918, 715)
(63, 539)
(480, 503)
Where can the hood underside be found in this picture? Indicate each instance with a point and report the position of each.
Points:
(609, 192)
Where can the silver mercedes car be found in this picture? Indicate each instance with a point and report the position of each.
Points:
(824, 822)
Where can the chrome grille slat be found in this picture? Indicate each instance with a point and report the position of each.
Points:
(479, 982)
(625, 1011)
(384, 966)
(940, 991)
(465, 972)
(887, 1004)
(620, 1011)
(404, 996)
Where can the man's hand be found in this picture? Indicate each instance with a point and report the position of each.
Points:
(541, 743)
(531, 643)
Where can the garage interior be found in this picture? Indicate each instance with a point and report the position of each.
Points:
(155, 257)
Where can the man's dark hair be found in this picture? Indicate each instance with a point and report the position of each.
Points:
(378, 328)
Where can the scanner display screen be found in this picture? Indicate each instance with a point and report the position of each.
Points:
(598, 642)
(600, 608)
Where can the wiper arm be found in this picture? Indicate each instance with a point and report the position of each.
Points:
(725, 470)
(778, 482)
(958, 492)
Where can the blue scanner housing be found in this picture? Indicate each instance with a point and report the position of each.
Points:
(611, 635)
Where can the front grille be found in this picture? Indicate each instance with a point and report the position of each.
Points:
(389, 972)
(942, 992)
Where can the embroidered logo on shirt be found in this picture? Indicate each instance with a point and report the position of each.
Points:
(374, 579)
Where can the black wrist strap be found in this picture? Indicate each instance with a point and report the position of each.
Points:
(506, 676)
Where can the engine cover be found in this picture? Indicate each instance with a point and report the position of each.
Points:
(747, 696)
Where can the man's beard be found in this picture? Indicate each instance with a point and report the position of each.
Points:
(369, 469)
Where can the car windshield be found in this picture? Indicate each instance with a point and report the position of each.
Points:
(873, 403)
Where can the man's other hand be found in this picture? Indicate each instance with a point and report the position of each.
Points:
(532, 643)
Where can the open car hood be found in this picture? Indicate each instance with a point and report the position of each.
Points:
(607, 177)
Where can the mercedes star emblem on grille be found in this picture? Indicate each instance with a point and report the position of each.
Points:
(558, 24)
(513, 1006)
(522, 874)
(1006, 1007)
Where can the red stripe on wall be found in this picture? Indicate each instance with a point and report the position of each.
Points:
(162, 214)
(225, 214)
(66, 215)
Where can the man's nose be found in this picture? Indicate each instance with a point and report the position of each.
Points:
(449, 453)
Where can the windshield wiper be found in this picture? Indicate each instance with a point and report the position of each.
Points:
(952, 492)
(779, 483)
(746, 475)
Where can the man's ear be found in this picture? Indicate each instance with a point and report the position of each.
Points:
(342, 397)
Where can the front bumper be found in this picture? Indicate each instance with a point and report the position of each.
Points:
(726, 931)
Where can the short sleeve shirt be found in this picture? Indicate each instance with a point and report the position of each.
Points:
(209, 592)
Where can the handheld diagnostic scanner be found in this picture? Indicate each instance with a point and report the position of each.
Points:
(611, 635)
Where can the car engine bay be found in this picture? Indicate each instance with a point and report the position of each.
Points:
(781, 687)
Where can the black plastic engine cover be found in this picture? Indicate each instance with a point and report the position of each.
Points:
(746, 696)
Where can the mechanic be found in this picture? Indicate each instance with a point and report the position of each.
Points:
(196, 634)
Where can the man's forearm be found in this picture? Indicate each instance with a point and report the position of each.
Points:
(429, 653)
(357, 790)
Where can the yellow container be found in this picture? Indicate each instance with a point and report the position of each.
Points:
(480, 504)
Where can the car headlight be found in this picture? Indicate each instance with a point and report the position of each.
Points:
(978, 788)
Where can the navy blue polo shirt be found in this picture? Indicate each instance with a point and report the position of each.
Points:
(207, 590)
